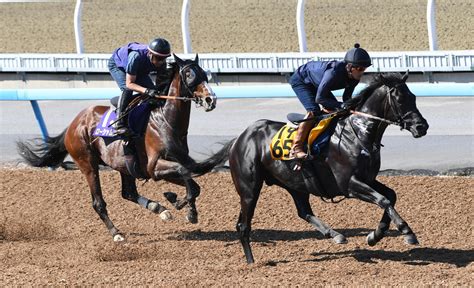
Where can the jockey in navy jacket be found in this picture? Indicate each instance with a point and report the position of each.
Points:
(313, 83)
(319, 78)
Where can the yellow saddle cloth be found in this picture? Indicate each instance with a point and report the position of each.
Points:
(283, 140)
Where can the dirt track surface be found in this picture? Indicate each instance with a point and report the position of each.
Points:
(50, 235)
(236, 25)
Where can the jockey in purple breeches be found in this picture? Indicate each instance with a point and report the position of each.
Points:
(313, 83)
(130, 67)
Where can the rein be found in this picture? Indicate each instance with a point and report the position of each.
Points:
(173, 98)
(376, 118)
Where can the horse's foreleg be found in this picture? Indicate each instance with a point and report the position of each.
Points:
(384, 224)
(129, 192)
(178, 174)
(360, 190)
(306, 213)
(192, 192)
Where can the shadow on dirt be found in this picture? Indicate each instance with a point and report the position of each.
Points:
(416, 256)
(270, 235)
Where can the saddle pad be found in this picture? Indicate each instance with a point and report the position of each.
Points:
(283, 140)
(104, 129)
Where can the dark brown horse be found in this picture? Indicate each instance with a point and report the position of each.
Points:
(161, 150)
(353, 158)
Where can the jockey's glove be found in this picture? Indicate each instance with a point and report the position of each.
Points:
(151, 92)
(346, 106)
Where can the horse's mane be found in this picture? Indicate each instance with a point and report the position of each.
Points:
(375, 82)
(165, 76)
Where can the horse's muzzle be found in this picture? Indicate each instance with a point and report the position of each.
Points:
(210, 103)
(418, 126)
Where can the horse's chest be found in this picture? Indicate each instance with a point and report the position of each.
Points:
(368, 162)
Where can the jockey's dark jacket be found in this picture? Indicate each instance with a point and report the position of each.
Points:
(325, 76)
(133, 59)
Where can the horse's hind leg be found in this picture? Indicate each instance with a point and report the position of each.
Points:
(248, 183)
(91, 171)
(176, 173)
(192, 192)
(375, 236)
(359, 189)
(306, 213)
(129, 192)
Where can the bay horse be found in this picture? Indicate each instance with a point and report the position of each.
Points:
(353, 161)
(164, 146)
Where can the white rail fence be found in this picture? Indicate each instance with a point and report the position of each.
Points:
(415, 61)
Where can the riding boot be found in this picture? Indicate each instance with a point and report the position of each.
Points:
(121, 126)
(297, 151)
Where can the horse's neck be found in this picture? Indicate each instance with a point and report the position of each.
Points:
(369, 132)
(175, 113)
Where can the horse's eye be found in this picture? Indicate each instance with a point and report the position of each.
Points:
(190, 77)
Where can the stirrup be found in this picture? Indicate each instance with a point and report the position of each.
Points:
(296, 163)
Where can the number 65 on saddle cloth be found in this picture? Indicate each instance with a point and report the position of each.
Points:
(318, 137)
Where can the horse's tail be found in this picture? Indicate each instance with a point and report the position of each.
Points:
(216, 160)
(39, 153)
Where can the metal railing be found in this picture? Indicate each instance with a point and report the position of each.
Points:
(415, 61)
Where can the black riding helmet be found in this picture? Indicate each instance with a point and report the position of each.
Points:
(358, 57)
(160, 47)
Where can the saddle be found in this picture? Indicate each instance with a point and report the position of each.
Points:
(139, 111)
(317, 175)
(317, 141)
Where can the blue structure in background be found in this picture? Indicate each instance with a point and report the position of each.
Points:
(222, 92)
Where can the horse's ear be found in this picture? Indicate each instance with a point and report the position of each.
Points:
(405, 76)
(178, 60)
(196, 60)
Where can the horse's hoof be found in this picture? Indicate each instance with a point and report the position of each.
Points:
(371, 239)
(339, 239)
(192, 217)
(166, 215)
(156, 208)
(119, 238)
(411, 239)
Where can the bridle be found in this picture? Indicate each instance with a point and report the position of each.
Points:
(388, 104)
(189, 89)
(200, 77)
